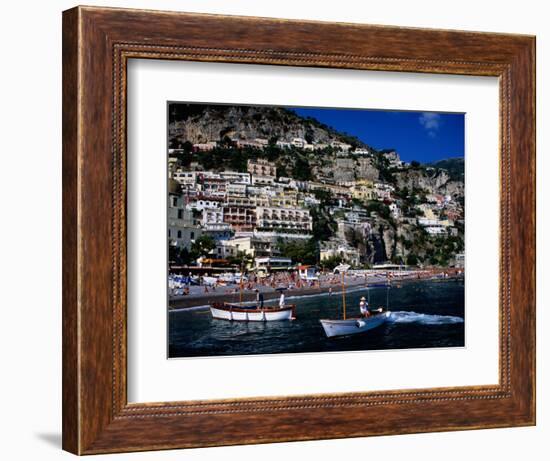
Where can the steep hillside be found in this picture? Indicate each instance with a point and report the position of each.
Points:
(454, 167)
(199, 123)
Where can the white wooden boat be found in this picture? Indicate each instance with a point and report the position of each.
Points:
(353, 326)
(236, 312)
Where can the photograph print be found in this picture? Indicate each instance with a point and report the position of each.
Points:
(313, 230)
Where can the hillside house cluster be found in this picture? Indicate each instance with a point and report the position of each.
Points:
(251, 212)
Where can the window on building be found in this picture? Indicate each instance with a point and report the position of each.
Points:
(192, 235)
(180, 214)
(179, 234)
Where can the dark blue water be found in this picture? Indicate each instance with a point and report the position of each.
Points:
(424, 314)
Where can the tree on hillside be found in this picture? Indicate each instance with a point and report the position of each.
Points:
(324, 225)
(202, 246)
(332, 262)
(242, 260)
(304, 252)
(379, 208)
(301, 169)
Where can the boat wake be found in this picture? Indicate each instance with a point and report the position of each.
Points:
(425, 319)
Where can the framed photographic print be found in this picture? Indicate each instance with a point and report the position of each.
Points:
(280, 230)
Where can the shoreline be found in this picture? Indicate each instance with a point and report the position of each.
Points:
(204, 299)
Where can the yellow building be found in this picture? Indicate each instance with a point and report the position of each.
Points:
(363, 190)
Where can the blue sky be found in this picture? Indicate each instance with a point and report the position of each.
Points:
(421, 136)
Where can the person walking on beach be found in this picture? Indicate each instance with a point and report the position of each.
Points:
(282, 300)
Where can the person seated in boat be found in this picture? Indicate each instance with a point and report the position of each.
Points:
(364, 307)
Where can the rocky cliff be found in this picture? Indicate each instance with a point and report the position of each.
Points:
(199, 123)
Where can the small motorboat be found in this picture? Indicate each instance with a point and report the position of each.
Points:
(237, 312)
(353, 326)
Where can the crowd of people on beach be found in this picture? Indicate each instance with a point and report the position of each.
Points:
(288, 280)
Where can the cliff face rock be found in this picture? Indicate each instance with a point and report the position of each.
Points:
(344, 169)
(376, 247)
(433, 181)
(201, 123)
(366, 169)
(388, 236)
(453, 188)
(421, 179)
(379, 244)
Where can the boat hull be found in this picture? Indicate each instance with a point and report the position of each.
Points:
(239, 314)
(353, 326)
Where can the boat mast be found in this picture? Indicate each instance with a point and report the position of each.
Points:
(241, 286)
(368, 289)
(344, 293)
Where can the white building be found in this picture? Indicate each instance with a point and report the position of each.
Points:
(395, 210)
(185, 178)
(236, 189)
(262, 180)
(250, 246)
(283, 144)
(283, 218)
(383, 191)
(206, 146)
(340, 249)
(342, 146)
(212, 216)
(269, 263)
(245, 201)
(211, 185)
(181, 231)
(261, 167)
(293, 183)
(201, 204)
(436, 230)
(235, 177)
(393, 158)
(310, 200)
(434, 222)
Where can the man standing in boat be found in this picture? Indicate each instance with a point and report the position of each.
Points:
(259, 299)
(282, 300)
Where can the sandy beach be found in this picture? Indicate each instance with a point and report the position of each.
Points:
(203, 296)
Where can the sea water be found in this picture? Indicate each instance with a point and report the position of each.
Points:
(423, 314)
